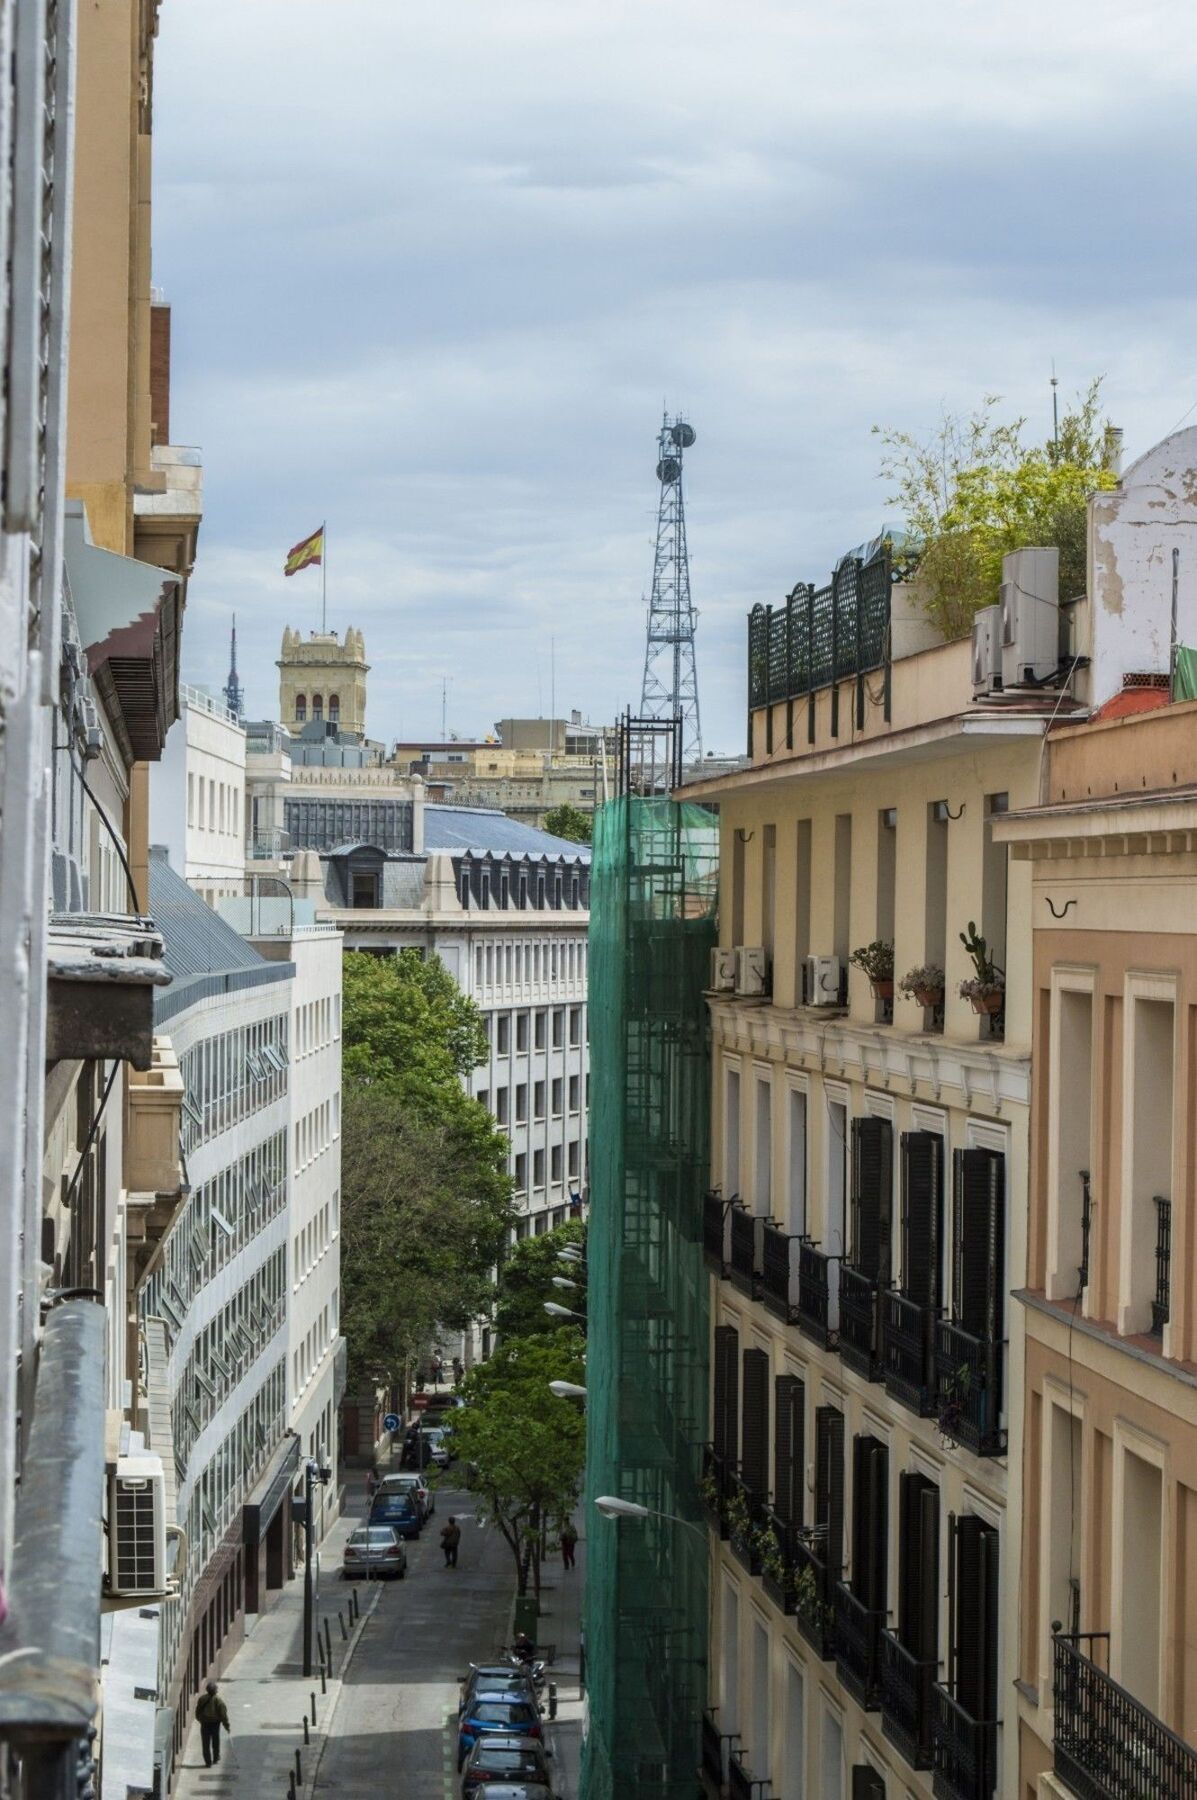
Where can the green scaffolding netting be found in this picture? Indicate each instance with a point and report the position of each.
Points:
(653, 897)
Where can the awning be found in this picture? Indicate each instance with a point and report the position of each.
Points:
(129, 1672)
(127, 617)
(257, 1514)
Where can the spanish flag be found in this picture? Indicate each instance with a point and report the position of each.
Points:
(310, 550)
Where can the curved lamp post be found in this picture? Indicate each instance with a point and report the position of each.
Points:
(567, 1390)
(562, 1312)
(612, 1507)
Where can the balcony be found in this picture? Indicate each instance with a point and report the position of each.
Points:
(813, 1606)
(745, 1515)
(858, 1647)
(743, 1251)
(776, 1281)
(968, 1389)
(906, 1701)
(1161, 1306)
(907, 1342)
(814, 1296)
(1107, 1745)
(739, 1781)
(714, 1242)
(963, 1750)
(860, 1322)
(716, 1471)
(713, 1755)
(777, 1562)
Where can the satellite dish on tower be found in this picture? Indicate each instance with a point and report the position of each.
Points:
(682, 435)
(668, 469)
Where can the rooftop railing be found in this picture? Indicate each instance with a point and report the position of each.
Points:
(821, 635)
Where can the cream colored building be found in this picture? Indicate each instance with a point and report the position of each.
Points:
(322, 678)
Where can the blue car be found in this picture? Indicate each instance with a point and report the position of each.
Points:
(399, 1511)
(502, 1711)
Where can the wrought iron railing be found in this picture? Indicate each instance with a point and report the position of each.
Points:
(739, 1781)
(716, 1474)
(775, 1273)
(712, 1753)
(907, 1331)
(714, 1212)
(814, 1295)
(745, 1516)
(1086, 1227)
(968, 1389)
(777, 1561)
(743, 1250)
(814, 1605)
(858, 1647)
(1160, 1306)
(860, 1322)
(820, 635)
(1108, 1746)
(963, 1750)
(906, 1700)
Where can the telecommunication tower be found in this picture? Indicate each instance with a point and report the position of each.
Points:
(234, 699)
(670, 688)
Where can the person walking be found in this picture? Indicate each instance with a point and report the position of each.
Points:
(373, 1482)
(450, 1538)
(212, 1713)
(569, 1543)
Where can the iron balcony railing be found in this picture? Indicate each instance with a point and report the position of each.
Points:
(814, 1605)
(858, 1647)
(1108, 1746)
(906, 1700)
(814, 1295)
(745, 1516)
(739, 1781)
(777, 1561)
(711, 1767)
(778, 1286)
(716, 1474)
(907, 1340)
(714, 1233)
(968, 1389)
(963, 1750)
(1161, 1305)
(860, 1322)
(743, 1250)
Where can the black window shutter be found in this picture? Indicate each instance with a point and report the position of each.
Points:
(754, 1456)
(872, 1185)
(867, 1784)
(918, 1565)
(727, 1356)
(976, 1617)
(789, 1459)
(829, 1486)
(979, 1227)
(922, 1216)
(869, 1523)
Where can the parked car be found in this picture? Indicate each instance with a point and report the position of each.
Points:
(495, 1678)
(512, 1790)
(373, 1550)
(439, 1447)
(496, 1711)
(398, 1511)
(414, 1484)
(505, 1758)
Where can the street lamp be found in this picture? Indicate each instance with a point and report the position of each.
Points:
(314, 1474)
(612, 1507)
(567, 1390)
(562, 1312)
(562, 1281)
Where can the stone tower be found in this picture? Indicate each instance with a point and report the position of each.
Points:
(322, 678)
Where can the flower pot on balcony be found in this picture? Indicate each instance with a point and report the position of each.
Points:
(926, 996)
(883, 990)
(988, 1003)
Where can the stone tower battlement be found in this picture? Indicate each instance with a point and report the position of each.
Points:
(322, 678)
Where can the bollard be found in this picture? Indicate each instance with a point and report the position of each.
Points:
(307, 1736)
(357, 1602)
(323, 1681)
(298, 1771)
(313, 1706)
(341, 1623)
(328, 1643)
(291, 1785)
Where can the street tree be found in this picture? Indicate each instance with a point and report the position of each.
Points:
(566, 821)
(526, 1282)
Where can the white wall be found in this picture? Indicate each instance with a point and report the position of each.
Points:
(197, 796)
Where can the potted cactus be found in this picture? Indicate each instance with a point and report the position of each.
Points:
(924, 984)
(877, 961)
(986, 987)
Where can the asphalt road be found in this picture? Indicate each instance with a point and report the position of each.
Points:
(390, 1736)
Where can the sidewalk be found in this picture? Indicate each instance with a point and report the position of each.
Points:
(264, 1686)
(560, 1624)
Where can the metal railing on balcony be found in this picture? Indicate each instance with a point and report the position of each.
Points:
(815, 1315)
(743, 1269)
(779, 1288)
(858, 1647)
(907, 1343)
(821, 634)
(712, 1753)
(716, 1474)
(714, 1233)
(963, 1750)
(860, 1322)
(1161, 1305)
(777, 1561)
(745, 1516)
(906, 1700)
(814, 1606)
(1108, 1745)
(968, 1389)
(739, 1781)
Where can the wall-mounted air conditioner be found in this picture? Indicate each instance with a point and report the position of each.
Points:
(1030, 616)
(987, 651)
(752, 972)
(823, 980)
(137, 1526)
(723, 971)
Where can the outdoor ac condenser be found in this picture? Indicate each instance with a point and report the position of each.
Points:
(723, 971)
(752, 972)
(137, 1526)
(1030, 616)
(822, 981)
(987, 651)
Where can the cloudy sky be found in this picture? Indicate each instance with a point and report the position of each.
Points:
(436, 268)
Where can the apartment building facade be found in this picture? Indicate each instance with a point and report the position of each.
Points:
(197, 796)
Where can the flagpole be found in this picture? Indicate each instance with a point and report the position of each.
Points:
(324, 579)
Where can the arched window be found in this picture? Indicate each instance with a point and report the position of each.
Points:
(317, 706)
(334, 709)
(301, 708)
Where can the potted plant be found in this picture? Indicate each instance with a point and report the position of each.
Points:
(877, 961)
(986, 987)
(924, 984)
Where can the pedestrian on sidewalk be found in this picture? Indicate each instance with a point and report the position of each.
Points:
(212, 1713)
(373, 1482)
(450, 1538)
(569, 1543)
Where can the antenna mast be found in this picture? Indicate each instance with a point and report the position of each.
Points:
(670, 687)
(234, 698)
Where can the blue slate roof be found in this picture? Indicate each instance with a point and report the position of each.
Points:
(203, 953)
(480, 829)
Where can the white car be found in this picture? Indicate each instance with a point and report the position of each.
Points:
(412, 1484)
(436, 1442)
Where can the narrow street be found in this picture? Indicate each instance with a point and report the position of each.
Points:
(390, 1735)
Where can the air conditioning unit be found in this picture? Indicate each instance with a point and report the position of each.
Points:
(752, 972)
(137, 1526)
(1030, 616)
(987, 651)
(823, 980)
(723, 971)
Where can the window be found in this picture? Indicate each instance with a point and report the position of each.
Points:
(802, 908)
(1071, 1107)
(573, 1159)
(557, 1093)
(539, 1033)
(843, 886)
(555, 1165)
(538, 1100)
(501, 1105)
(1144, 1302)
(575, 1025)
(558, 1025)
(725, 1433)
(521, 1173)
(768, 886)
(317, 706)
(796, 1200)
(503, 1043)
(521, 1102)
(521, 1032)
(754, 1448)
(737, 885)
(334, 709)
(301, 709)
(872, 1186)
(574, 1089)
(538, 1169)
(789, 1454)
(731, 1134)
(763, 1159)
(973, 1559)
(364, 892)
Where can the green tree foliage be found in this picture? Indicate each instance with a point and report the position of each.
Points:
(566, 821)
(521, 1449)
(425, 1194)
(974, 490)
(526, 1282)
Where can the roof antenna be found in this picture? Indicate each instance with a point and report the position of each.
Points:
(1055, 408)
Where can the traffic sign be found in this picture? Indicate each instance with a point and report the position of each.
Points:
(390, 1422)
